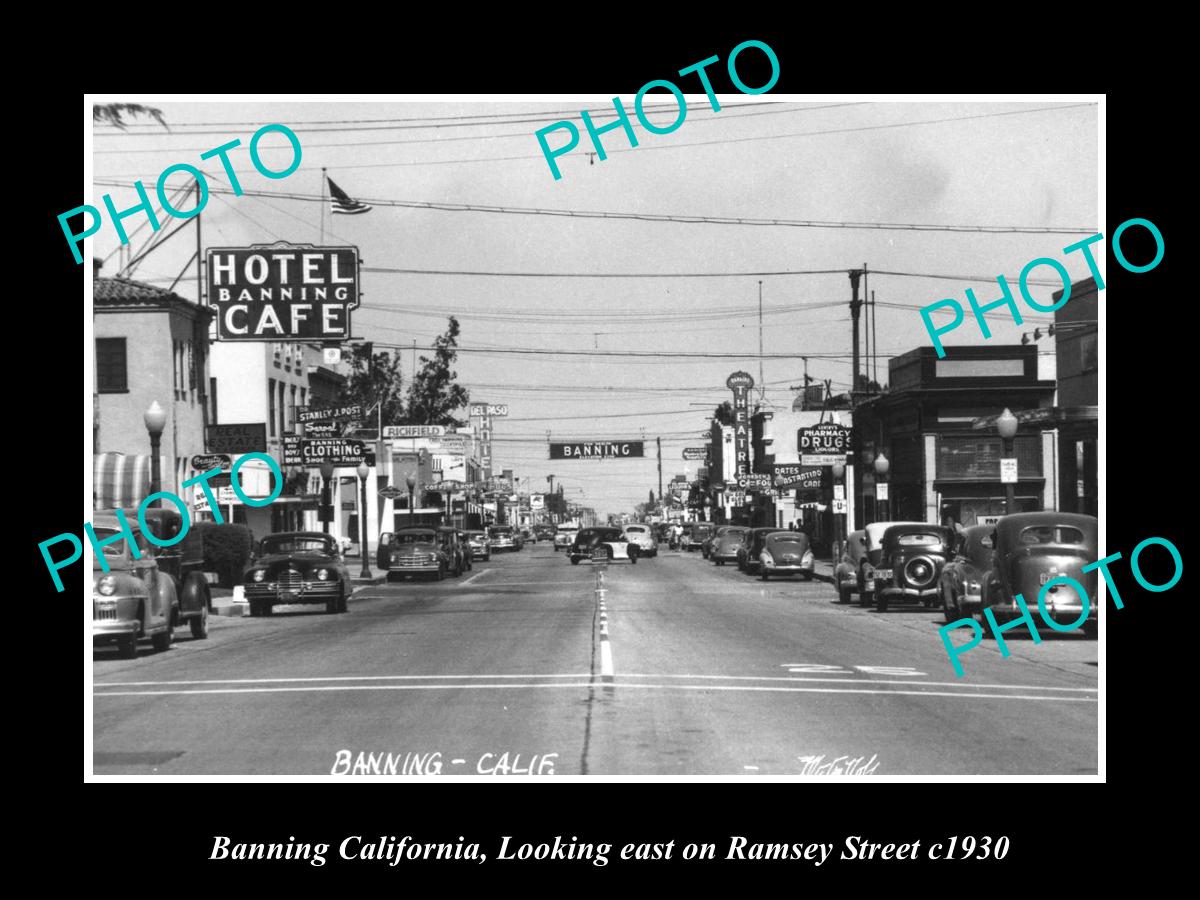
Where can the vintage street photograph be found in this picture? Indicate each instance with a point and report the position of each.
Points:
(677, 435)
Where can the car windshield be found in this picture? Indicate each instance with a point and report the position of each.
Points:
(786, 539)
(415, 537)
(636, 529)
(1051, 534)
(918, 540)
(115, 550)
(290, 543)
(505, 532)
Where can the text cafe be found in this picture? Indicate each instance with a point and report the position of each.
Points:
(283, 291)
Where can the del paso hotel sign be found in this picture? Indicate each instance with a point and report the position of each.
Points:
(283, 292)
(597, 450)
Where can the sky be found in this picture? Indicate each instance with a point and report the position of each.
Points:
(1030, 164)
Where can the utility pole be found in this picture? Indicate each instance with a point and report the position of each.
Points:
(658, 441)
(855, 308)
(761, 382)
(201, 375)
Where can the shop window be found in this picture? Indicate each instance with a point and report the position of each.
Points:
(978, 458)
(111, 369)
(1089, 353)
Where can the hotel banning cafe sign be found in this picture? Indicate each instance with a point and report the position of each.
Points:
(283, 292)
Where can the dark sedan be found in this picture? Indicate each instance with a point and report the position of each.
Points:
(413, 551)
(297, 567)
(785, 553)
(910, 564)
(1032, 552)
(748, 554)
(962, 578)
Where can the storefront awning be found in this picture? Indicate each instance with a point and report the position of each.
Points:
(120, 480)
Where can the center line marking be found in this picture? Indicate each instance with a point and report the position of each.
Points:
(473, 577)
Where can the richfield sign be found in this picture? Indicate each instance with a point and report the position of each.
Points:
(283, 292)
(740, 383)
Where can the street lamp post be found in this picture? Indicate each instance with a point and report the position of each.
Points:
(882, 464)
(839, 476)
(1007, 426)
(156, 419)
(363, 471)
(326, 497)
(411, 481)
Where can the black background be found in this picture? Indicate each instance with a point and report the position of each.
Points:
(147, 837)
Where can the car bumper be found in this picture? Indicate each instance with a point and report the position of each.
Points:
(728, 555)
(109, 630)
(480, 554)
(785, 569)
(307, 592)
(893, 591)
(1061, 613)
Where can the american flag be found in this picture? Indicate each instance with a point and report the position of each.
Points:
(342, 203)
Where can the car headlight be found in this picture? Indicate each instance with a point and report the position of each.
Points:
(973, 587)
(322, 574)
(807, 559)
(259, 574)
(106, 586)
(767, 559)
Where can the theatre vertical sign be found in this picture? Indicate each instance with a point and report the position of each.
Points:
(283, 292)
(740, 383)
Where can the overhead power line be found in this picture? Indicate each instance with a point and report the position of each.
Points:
(647, 217)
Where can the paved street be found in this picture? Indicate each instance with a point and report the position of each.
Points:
(506, 671)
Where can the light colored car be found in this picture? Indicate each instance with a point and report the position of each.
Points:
(565, 536)
(131, 598)
(785, 553)
(848, 573)
(478, 542)
(643, 537)
(725, 544)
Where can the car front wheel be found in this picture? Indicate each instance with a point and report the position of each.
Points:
(162, 640)
(127, 647)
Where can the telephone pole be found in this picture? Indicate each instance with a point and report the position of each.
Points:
(855, 308)
(658, 441)
(761, 383)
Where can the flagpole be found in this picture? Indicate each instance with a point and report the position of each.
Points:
(324, 179)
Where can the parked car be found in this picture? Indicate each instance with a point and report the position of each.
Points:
(848, 573)
(184, 563)
(1032, 549)
(297, 567)
(873, 546)
(478, 543)
(455, 549)
(725, 543)
(592, 543)
(565, 537)
(412, 551)
(962, 577)
(751, 549)
(131, 598)
(910, 564)
(644, 538)
(501, 537)
(785, 553)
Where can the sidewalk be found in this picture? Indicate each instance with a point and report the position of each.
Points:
(823, 570)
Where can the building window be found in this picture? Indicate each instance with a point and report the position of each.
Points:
(111, 369)
(292, 408)
(191, 368)
(1087, 347)
(978, 458)
(271, 405)
(282, 408)
(212, 396)
(304, 397)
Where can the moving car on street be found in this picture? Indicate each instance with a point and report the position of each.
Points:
(412, 551)
(478, 543)
(297, 567)
(785, 553)
(962, 577)
(133, 599)
(1033, 549)
(502, 538)
(543, 533)
(695, 534)
(848, 573)
(910, 564)
(602, 543)
(565, 537)
(725, 543)
(642, 536)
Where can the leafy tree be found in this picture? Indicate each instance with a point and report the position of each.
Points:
(374, 377)
(434, 396)
(114, 113)
(724, 413)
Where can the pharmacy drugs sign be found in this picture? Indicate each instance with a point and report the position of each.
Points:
(283, 292)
